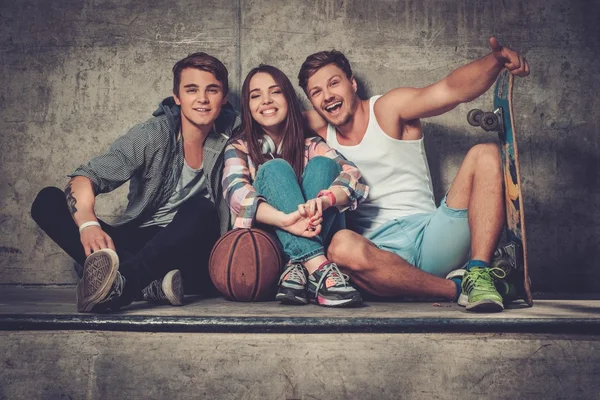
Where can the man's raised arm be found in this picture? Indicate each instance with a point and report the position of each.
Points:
(462, 85)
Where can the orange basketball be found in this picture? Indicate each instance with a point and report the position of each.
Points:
(245, 265)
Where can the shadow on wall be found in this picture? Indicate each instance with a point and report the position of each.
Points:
(362, 91)
(234, 99)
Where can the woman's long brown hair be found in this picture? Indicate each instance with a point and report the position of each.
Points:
(293, 132)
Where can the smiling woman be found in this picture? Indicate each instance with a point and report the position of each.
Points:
(268, 104)
(278, 174)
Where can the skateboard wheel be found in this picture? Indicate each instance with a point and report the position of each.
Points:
(473, 117)
(489, 121)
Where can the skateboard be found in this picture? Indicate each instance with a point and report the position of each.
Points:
(501, 120)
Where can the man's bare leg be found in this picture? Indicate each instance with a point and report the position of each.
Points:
(478, 187)
(382, 273)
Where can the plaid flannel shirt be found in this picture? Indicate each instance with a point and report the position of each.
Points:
(240, 171)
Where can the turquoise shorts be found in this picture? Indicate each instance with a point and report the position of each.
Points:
(436, 243)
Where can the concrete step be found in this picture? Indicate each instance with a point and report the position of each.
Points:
(216, 349)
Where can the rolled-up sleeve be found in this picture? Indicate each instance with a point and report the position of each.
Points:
(349, 179)
(238, 191)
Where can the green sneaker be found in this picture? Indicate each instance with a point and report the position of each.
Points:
(507, 290)
(479, 290)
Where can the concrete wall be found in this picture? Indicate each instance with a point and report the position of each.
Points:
(77, 74)
(129, 365)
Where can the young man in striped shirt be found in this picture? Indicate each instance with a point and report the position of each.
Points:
(160, 246)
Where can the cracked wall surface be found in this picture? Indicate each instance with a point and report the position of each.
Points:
(77, 74)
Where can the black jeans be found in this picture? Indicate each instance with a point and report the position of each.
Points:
(145, 254)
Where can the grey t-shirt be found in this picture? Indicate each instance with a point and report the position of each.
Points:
(192, 182)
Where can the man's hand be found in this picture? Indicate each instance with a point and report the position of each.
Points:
(513, 61)
(93, 238)
(298, 225)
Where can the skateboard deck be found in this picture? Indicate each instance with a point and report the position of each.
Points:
(501, 120)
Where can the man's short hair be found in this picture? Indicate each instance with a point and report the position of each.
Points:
(316, 61)
(203, 62)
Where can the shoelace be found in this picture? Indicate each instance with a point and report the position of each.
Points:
(296, 273)
(498, 272)
(481, 277)
(332, 271)
(154, 291)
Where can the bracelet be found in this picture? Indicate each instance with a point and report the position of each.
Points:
(89, 223)
(329, 194)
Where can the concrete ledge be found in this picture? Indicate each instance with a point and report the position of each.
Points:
(43, 308)
(212, 348)
(219, 324)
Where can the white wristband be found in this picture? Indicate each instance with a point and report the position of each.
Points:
(89, 223)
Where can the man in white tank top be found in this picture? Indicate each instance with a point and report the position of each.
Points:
(400, 243)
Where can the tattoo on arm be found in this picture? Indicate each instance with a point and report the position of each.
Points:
(71, 200)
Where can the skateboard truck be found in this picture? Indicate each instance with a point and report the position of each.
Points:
(489, 121)
(513, 252)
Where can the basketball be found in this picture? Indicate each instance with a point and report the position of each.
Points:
(245, 265)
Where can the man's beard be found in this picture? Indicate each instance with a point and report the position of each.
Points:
(347, 119)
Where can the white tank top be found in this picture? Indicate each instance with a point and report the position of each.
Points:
(395, 170)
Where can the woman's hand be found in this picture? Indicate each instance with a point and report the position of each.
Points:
(314, 208)
(298, 225)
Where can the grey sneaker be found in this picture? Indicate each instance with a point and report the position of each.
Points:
(292, 285)
(330, 288)
(101, 286)
(169, 290)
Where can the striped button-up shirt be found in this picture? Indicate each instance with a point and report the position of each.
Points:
(150, 157)
(240, 173)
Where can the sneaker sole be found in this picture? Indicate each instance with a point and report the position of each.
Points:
(485, 305)
(354, 301)
(289, 298)
(99, 273)
(172, 287)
